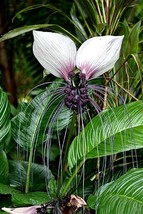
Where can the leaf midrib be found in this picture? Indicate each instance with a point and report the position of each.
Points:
(124, 196)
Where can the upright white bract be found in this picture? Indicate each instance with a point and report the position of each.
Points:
(98, 55)
(55, 52)
(21, 210)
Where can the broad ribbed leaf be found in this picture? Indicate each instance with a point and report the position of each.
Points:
(112, 131)
(4, 167)
(5, 189)
(26, 125)
(123, 196)
(18, 175)
(34, 198)
(38, 118)
(19, 198)
(5, 123)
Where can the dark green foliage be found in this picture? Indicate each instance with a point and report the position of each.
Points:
(121, 129)
(5, 123)
(17, 198)
(124, 194)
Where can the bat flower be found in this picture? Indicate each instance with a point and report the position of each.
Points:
(59, 56)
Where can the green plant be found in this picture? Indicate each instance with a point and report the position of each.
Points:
(85, 152)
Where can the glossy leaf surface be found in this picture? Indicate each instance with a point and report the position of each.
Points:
(125, 195)
(19, 198)
(31, 125)
(5, 123)
(4, 167)
(112, 131)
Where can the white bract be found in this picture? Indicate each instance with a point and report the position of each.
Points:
(58, 55)
(21, 210)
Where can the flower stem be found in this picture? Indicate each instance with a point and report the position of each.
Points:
(71, 178)
(29, 170)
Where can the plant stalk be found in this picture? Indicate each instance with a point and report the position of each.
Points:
(131, 95)
(29, 170)
(71, 178)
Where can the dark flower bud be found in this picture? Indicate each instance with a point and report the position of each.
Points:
(83, 90)
(67, 103)
(84, 96)
(82, 76)
(73, 92)
(67, 90)
(70, 98)
(71, 75)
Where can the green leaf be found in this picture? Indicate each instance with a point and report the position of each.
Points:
(80, 31)
(5, 189)
(124, 196)
(133, 40)
(31, 125)
(112, 131)
(20, 199)
(21, 30)
(31, 198)
(25, 29)
(37, 121)
(88, 15)
(18, 175)
(33, 7)
(5, 123)
(52, 188)
(4, 167)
